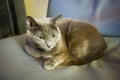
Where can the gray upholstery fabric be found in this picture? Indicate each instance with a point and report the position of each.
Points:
(15, 64)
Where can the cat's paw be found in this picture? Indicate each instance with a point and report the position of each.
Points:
(47, 56)
(49, 65)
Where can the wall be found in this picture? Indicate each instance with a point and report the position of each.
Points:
(36, 8)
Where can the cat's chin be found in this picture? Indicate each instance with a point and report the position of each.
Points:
(47, 49)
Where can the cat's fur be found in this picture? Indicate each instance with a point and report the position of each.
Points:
(63, 42)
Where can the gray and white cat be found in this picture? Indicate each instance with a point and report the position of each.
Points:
(63, 42)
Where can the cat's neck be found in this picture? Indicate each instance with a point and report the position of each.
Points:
(61, 44)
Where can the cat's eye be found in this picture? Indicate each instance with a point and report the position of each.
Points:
(53, 35)
(41, 37)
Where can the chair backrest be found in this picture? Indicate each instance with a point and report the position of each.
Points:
(104, 14)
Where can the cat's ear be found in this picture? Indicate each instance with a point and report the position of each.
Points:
(30, 22)
(55, 19)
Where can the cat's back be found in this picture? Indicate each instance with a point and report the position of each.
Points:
(71, 27)
(83, 30)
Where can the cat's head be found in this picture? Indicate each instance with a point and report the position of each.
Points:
(43, 32)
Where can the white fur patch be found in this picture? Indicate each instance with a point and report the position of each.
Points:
(58, 34)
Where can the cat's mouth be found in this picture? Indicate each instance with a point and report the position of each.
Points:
(43, 49)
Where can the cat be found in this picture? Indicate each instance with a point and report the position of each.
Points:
(63, 41)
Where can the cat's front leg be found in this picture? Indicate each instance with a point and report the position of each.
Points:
(55, 61)
(50, 64)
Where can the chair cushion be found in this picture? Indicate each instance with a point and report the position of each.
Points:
(15, 64)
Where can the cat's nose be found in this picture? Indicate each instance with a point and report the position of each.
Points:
(49, 44)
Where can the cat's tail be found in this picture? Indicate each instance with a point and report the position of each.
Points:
(112, 43)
